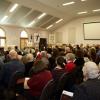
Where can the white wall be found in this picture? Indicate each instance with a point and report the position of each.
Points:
(72, 32)
(13, 34)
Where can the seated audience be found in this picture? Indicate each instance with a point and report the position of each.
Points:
(39, 76)
(49, 91)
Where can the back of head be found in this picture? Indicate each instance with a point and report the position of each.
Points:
(43, 54)
(60, 61)
(16, 47)
(68, 49)
(79, 61)
(29, 57)
(90, 70)
(70, 56)
(38, 67)
(13, 54)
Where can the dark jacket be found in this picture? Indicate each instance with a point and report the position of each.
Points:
(28, 67)
(89, 90)
(8, 69)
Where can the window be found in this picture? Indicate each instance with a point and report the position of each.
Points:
(24, 34)
(23, 39)
(2, 38)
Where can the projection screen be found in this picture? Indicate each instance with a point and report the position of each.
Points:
(91, 31)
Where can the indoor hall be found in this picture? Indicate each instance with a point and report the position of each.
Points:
(56, 34)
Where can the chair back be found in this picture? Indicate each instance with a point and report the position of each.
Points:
(48, 91)
(10, 92)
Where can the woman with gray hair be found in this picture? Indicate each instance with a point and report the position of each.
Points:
(70, 58)
(90, 88)
(90, 70)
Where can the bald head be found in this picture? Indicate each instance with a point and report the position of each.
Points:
(13, 54)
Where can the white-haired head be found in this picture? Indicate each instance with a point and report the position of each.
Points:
(29, 57)
(43, 53)
(70, 56)
(13, 54)
(90, 70)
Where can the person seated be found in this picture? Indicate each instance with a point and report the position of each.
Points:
(49, 91)
(9, 69)
(70, 58)
(59, 69)
(39, 76)
(29, 63)
(90, 88)
(44, 57)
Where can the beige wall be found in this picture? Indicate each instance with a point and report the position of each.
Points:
(13, 34)
(72, 32)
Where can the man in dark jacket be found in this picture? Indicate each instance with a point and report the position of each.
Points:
(90, 88)
(10, 68)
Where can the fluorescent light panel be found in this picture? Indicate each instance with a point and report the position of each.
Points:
(49, 26)
(13, 8)
(96, 10)
(59, 21)
(69, 3)
(82, 12)
(4, 18)
(31, 23)
(42, 15)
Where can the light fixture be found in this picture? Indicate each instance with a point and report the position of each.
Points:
(4, 18)
(42, 15)
(59, 21)
(69, 3)
(84, 12)
(31, 23)
(83, 0)
(13, 7)
(96, 10)
(49, 26)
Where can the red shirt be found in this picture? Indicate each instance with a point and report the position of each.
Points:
(69, 66)
(38, 81)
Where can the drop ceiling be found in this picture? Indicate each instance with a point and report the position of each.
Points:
(29, 11)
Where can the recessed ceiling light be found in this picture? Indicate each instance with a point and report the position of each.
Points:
(42, 15)
(96, 10)
(83, 0)
(68, 3)
(59, 21)
(84, 12)
(4, 18)
(49, 26)
(31, 23)
(13, 7)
